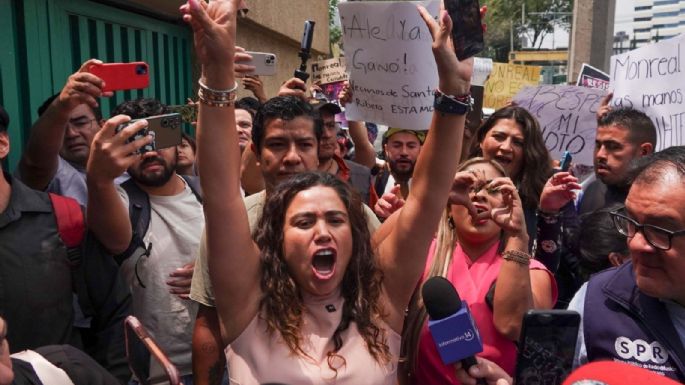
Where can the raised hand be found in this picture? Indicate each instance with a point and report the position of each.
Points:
(214, 28)
(462, 186)
(294, 87)
(111, 154)
(389, 203)
(255, 85)
(558, 191)
(82, 87)
(510, 216)
(604, 106)
(345, 95)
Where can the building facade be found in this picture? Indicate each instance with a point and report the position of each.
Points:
(44, 41)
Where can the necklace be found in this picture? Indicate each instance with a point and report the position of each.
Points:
(329, 169)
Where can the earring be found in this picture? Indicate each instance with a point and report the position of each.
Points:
(450, 222)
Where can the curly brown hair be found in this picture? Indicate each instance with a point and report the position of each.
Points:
(281, 305)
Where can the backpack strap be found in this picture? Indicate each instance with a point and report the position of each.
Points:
(70, 225)
(139, 214)
(194, 183)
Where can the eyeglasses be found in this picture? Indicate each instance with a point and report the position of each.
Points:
(658, 237)
(84, 124)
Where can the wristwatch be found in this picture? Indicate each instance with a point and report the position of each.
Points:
(448, 104)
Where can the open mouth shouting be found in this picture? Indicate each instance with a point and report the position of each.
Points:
(323, 263)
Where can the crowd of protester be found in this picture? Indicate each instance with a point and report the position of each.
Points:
(276, 247)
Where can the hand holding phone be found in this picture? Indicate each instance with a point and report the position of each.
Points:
(122, 76)
(264, 63)
(565, 161)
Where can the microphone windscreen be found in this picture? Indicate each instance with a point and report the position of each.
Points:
(440, 298)
(615, 373)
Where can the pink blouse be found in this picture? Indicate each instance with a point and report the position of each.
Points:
(472, 279)
(257, 357)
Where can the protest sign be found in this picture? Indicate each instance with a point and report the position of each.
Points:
(591, 77)
(481, 70)
(506, 80)
(650, 79)
(567, 117)
(391, 65)
(329, 71)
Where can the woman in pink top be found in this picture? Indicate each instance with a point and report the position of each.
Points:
(312, 301)
(473, 253)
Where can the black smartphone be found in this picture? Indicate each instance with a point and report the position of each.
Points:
(547, 346)
(166, 128)
(467, 31)
(565, 161)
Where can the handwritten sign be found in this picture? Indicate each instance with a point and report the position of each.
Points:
(329, 71)
(567, 117)
(392, 70)
(591, 77)
(481, 70)
(506, 80)
(650, 79)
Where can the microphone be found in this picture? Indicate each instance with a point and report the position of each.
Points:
(450, 324)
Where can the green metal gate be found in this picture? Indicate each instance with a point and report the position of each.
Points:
(44, 41)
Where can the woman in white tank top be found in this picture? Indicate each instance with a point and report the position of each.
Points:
(313, 300)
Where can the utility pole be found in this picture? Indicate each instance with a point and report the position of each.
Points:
(592, 35)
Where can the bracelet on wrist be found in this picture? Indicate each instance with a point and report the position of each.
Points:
(517, 256)
(216, 98)
(450, 104)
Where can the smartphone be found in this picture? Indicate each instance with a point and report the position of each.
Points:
(264, 63)
(140, 347)
(565, 161)
(547, 346)
(122, 76)
(467, 31)
(165, 128)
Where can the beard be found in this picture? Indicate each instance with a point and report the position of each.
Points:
(402, 171)
(153, 178)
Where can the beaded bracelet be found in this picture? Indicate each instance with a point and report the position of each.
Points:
(216, 98)
(517, 256)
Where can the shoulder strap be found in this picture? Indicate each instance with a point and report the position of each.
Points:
(71, 225)
(194, 183)
(139, 214)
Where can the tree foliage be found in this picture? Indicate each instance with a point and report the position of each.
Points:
(334, 31)
(541, 16)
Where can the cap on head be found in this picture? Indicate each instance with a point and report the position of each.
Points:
(322, 104)
(420, 135)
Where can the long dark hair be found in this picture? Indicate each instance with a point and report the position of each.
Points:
(536, 167)
(282, 306)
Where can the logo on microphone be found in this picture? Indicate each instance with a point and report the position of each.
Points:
(469, 335)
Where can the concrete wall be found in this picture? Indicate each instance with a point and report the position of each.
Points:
(592, 35)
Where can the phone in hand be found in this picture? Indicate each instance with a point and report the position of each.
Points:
(140, 347)
(467, 31)
(122, 76)
(565, 161)
(547, 346)
(165, 128)
(264, 63)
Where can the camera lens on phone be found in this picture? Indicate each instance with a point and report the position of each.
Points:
(141, 69)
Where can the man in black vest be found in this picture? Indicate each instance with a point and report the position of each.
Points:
(635, 313)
